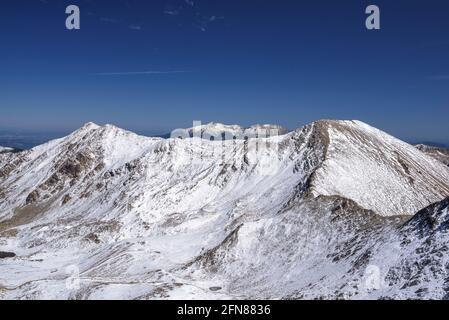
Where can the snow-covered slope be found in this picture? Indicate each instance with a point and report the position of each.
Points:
(377, 171)
(441, 154)
(329, 248)
(137, 217)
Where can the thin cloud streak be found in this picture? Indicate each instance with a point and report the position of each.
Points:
(135, 27)
(139, 73)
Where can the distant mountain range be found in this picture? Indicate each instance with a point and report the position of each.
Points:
(439, 153)
(332, 210)
(432, 144)
(9, 150)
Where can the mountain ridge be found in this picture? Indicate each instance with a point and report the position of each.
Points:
(160, 211)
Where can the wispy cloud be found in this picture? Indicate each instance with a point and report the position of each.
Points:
(172, 12)
(203, 22)
(133, 73)
(190, 10)
(440, 77)
(135, 27)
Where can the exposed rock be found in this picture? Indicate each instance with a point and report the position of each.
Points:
(32, 197)
(92, 237)
(66, 199)
(4, 255)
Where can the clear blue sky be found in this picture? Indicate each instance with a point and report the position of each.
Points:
(157, 65)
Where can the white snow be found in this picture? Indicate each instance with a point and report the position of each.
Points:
(140, 218)
(5, 149)
(378, 171)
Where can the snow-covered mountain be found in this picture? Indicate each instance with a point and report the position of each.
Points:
(214, 131)
(441, 154)
(105, 213)
(7, 150)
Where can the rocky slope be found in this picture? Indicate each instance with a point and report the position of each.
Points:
(104, 213)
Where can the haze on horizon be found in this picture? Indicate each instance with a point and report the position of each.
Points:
(154, 66)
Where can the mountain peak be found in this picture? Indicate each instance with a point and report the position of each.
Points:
(89, 126)
(99, 131)
(343, 124)
(371, 167)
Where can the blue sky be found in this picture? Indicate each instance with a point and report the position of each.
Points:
(151, 66)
